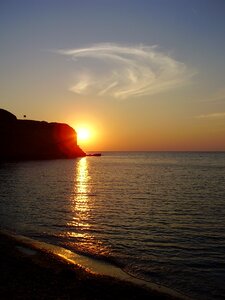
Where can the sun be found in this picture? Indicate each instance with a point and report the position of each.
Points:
(83, 134)
(86, 135)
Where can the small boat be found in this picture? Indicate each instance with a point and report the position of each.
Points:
(94, 154)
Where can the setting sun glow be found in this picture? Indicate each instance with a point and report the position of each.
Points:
(88, 135)
(83, 134)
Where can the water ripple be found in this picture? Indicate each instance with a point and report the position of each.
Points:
(160, 216)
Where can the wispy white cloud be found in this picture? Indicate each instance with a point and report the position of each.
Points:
(124, 71)
(219, 115)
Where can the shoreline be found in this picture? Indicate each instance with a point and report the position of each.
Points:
(36, 270)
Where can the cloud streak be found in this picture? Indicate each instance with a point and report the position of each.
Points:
(218, 96)
(125, 71)
(213, 116)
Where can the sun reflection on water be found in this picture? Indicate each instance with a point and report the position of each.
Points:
(79, 198)
(82, 223)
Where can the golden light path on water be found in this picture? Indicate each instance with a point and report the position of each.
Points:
(82, 202)
(80, 205)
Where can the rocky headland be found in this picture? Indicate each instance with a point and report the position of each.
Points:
(23, 139)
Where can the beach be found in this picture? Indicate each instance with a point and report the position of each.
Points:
(29, 273)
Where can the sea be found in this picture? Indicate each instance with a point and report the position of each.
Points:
(159, 216)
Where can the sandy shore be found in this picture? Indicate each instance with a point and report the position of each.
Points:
(28, 273)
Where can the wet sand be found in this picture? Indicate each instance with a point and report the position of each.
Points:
(28, 273)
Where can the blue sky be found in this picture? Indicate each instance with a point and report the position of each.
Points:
(154, 68)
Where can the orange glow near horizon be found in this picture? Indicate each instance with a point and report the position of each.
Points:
(109, 135)
(86, 135)
(83, 134)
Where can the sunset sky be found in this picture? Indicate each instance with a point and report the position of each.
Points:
(138, 74)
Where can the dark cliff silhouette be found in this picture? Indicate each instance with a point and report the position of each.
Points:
(27, 139)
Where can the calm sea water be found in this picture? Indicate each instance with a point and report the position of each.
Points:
(159, 216)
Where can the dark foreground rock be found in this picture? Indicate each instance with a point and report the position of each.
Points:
(28, 139)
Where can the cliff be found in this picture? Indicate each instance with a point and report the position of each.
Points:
(27, 139)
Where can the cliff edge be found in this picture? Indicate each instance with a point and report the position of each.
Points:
(28, 139)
